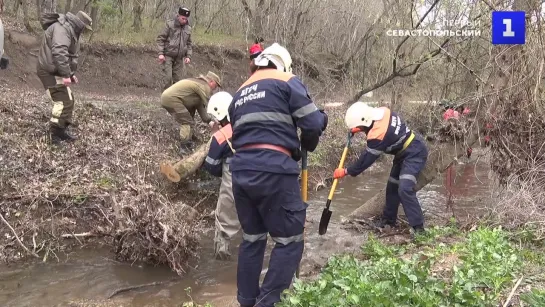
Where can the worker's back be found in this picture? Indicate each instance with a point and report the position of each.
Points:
(267, 109)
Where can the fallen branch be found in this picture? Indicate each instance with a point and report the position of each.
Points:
(17, 237)
(152, 284)
(512, 292)
(78, 235)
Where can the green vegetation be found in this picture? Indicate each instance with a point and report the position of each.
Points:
(444, 267)
(123, 33)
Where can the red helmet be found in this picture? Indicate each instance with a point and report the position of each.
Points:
(255, 50)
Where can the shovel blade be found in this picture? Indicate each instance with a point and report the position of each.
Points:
(324, 221)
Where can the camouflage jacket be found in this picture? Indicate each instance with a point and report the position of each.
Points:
(175, 40)
(60, 46)
(195, 93)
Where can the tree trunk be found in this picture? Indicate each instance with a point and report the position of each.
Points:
(137, 21)
(26, 17)
(68, 6)
(188, 166)
(94, 15)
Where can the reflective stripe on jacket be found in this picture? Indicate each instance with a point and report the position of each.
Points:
(219, 151)
(267, 109)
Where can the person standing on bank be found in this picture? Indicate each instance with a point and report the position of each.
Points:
(175, 47)
(57, 65)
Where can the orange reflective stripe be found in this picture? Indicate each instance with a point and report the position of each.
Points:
(224, 134)
(380, 127)
(262, 74)
(269, 146)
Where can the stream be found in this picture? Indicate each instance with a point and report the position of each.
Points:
(92, 274)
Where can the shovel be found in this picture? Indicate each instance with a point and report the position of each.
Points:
(304, 189)
(326, 214)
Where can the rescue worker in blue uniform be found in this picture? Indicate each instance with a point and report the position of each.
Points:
(217, 164)
(265, 113)
(387, 133)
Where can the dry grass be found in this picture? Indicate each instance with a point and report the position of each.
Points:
(522, 201)
(106, 184)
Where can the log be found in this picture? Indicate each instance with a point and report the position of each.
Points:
(440, 157)
(186, 167)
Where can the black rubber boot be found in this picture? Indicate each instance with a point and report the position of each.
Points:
(418, 231)
(186, 148)
(382, 222)
(59, 134)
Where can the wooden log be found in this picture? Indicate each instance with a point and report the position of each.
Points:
(186, 167)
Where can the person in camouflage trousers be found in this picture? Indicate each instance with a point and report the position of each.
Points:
(175, 47)
(57, 65)
(186, 97)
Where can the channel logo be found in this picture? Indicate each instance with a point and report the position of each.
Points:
(508, 28)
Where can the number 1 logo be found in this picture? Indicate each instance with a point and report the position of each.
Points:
(508, 28)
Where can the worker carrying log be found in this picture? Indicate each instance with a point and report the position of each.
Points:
(57, 66)
(387, 133)
(265, 113)
(175, 47)
(186, 97)
(217, 164)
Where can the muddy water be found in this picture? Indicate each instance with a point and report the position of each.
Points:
(93, 275)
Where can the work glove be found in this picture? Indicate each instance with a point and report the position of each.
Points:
(355, 130)
(4, 63)
(339, 173)
(325, 118)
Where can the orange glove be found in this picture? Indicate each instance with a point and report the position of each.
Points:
(339, 173)
(355, 130)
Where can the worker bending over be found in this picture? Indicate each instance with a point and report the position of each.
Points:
(217, 164)
(387, 133)
(185, 97)
(265, 113)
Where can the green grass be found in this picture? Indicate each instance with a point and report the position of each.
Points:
(124, 34)
(445, 267)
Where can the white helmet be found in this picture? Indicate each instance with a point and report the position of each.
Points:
(218, 106)
(277, 54)
(361, 114)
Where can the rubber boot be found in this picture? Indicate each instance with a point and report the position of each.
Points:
(382, 223)
(418, 231)
(185, 148)
(221, 247)
(59, 134)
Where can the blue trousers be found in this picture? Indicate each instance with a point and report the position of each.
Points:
(400, 187)
(268, 203)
